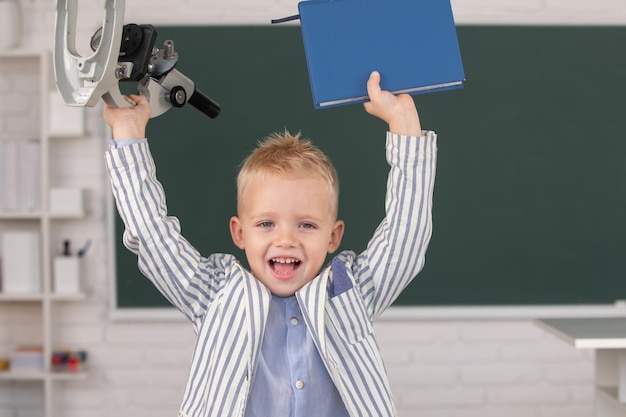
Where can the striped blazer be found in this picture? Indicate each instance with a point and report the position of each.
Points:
(228, 306)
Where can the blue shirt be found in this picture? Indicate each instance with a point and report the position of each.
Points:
(291, 379)
(118, 143)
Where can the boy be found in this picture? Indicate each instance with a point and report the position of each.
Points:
(283, 339)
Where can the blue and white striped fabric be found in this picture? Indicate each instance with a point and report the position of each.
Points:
(228, 306)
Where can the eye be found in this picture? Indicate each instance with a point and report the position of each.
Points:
(266, 224)
(307, 226)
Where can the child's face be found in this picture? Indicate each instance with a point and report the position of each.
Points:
(286, 227)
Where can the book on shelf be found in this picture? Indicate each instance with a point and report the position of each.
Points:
(413, 44)
(27, 359)
(21, 262)
(9, 159)
(20, 176)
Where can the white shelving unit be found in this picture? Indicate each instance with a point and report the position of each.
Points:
(28, 76)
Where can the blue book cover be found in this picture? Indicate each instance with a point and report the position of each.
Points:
(412, 43)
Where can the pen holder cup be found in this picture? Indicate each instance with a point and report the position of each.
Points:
(68, 274)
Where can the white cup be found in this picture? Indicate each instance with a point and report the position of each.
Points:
(10, 24)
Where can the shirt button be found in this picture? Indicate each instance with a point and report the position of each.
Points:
(299, 384)
(294, 321)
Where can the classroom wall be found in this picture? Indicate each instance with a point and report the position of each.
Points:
(438, 368)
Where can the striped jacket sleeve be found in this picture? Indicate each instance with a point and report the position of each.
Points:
(396, 252)
(174, 266)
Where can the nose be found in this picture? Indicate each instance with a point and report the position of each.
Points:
(285, 238)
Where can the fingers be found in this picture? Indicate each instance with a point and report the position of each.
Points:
(136, 114)
(373, 84)
(130, 101)
(373, 91)
(139, 98)
(136, 99)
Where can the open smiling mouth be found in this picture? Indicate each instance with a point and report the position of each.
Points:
(284, 266)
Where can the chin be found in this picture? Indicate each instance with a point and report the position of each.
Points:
(283, 292)
(285, 288)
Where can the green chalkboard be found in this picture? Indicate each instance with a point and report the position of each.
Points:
(530, 196)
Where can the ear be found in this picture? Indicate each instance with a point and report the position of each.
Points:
(335, 236)
(236, 232)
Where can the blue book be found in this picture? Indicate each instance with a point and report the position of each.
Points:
(412, 43)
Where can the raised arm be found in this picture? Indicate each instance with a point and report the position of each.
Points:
(188, 280)
(396, 252)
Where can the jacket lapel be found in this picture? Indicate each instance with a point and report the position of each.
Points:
(312, 299)
(258, 299)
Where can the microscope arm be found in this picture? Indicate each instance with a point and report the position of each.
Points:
(121, 53)
(82, 81)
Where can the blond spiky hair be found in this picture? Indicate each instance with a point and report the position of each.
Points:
(287, 155)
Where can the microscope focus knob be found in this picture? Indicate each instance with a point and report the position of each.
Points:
(178, 96)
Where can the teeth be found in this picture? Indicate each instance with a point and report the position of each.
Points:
(285, 260)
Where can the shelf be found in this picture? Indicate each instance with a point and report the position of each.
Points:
(40, 376)
(37, 215)
(29, 215)
(20, 53)
(39, 297)
(21, 297)
(60, 136)
(67, 216)
(69, 376)
(30, 75)
(68, 297)
(22, 375)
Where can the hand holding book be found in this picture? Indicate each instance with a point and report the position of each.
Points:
(397, 110)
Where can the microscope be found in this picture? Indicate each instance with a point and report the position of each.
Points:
(121, 53)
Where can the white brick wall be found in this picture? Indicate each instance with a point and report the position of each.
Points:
(438, 368)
